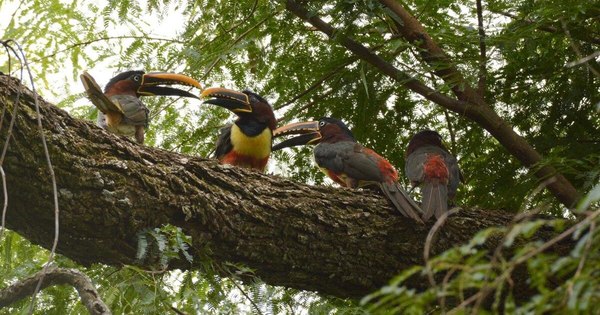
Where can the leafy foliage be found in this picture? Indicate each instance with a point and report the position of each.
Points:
(258, 44)
(463, 278)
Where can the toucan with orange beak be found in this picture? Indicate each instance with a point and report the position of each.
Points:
(431, 166)
(121, 110)
(347, 162)
(247, 142)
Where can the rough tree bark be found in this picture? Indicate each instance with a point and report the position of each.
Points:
(336, 241)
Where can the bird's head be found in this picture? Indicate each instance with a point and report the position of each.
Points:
(245, 104)
(425, 138)
(139, 83)
(326, 129)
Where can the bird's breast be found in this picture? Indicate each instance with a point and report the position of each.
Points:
(258, 147)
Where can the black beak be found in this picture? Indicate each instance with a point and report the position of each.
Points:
(151, 84)
(308, 134)
(234, 101)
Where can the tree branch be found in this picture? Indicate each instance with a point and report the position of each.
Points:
(57, 276)
(340, 242)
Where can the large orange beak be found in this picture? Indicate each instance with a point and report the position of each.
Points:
(151, 84)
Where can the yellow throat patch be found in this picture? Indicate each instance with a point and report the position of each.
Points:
(258, 146)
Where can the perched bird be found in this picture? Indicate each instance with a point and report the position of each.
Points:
(121, 110)
(347, 162)
(246, 142)
(431, 166)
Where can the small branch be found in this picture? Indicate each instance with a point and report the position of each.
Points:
(591, 65)
(235, 41)
(106, 38)
(57, 276)
(451, 131)
(583, 60)
(482, 57)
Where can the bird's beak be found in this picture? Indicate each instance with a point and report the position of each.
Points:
(151, 84)
(234, 101)
(308, 134)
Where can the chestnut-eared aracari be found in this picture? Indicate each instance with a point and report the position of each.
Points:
(431, 166)
(246, 142)
(121, 110)
(347, 162)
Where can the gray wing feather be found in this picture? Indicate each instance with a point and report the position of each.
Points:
(346, 157)
(134, 111)
(96, 96)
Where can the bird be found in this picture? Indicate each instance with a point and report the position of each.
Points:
(121, 110)
(347, 162)
(247, 141)
(430, 165)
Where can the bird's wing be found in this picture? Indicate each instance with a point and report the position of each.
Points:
(134, 111)
(330, 156)
(365, 164)
(96, 96)
(455, 174)
(351, 159)
(224, 141)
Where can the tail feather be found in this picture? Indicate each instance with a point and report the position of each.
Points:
(402, 201)
(96, 96)
(435, 200)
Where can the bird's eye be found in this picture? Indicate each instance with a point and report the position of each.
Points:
(137, 77)
(321, 123)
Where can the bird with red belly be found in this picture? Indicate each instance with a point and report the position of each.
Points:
(247, 142)
(121, 110)
(347, 162)
(431, 166)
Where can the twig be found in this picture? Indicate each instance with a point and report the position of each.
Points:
(451, 131)
(482, 57)
(583, 60)
(237, 40)
(50, 168)
(233, 277)
(11, 125)
(440, 221)
(319, 82)
(592, 65)
(582, 36)
(106, 38)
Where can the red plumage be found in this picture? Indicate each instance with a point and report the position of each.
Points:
(234, 158)
(435, 168)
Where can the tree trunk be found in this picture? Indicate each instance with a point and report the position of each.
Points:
(340, 242)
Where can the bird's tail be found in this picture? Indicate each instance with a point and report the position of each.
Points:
(96, 96)
(435, 199)
(401, 200)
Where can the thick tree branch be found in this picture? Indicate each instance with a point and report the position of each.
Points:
(340, 242)
(57, 276)
(469, 104)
